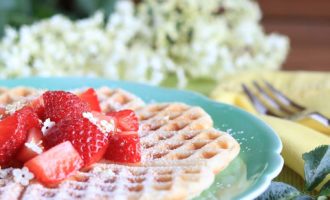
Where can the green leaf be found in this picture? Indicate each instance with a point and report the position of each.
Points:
(280, 191)
(317, 166)
(325, 190)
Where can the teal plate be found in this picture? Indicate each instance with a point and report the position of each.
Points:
(246, 177)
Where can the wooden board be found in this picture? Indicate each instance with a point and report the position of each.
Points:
(307, 23)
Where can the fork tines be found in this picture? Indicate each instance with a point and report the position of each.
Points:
(268, 100)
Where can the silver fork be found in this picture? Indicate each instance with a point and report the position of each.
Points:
(268, 100)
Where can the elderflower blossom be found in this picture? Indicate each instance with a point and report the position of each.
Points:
(47, 125)
(147, 43)
(22, 176)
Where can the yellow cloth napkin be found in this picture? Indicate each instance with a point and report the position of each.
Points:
(311, 90)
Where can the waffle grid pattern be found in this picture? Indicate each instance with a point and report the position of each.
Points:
(111, 181)
(212, 146)
(173, 117)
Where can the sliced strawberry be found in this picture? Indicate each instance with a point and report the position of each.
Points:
(39, 107)
(60, 104)
(32, 146)
(14, 164)
(55, 164)
(124, 147)
(101, 117)
(14, 130)
(126, 120)
(87, 138)
(90, 97)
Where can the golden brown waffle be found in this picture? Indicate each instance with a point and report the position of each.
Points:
(117, 99)
(173, 117)
(211, 146)
(181, 153)
(111, 181)
(11, 95)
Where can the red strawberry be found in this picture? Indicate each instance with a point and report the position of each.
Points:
(14, 130)
(101, 117)
(126, 120)
(55, 164)
(27, 152)
(124, 147)
(39, 107)
(88, 140)
(60, 104)
(90, 97)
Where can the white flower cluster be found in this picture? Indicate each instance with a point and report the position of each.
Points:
(146, 43)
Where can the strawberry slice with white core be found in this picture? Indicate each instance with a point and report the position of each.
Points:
(32, 147)
(124, 147)
(55, 164)
(14, 131)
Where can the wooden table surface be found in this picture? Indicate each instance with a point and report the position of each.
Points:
(307, 24)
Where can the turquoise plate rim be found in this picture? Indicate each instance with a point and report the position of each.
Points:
(270, 172)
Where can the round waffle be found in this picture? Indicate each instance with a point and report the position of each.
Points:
(181, 153)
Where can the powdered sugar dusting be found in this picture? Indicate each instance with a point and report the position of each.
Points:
(90, 117)
(12, 108)
(103, 125)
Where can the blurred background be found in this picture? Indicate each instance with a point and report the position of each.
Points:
(160, 41)
(307, 24)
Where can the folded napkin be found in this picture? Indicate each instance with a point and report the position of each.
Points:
(310, 89)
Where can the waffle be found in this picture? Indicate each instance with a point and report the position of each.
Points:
(117, 99)
(173, 117)
(181, 153)
(13, 95)
(211, 146)
(111, 181)
(9, 189)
